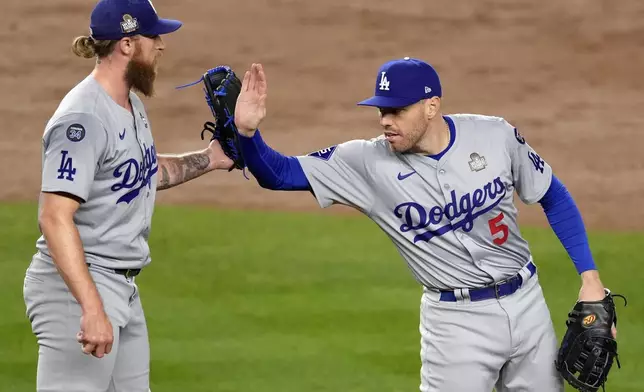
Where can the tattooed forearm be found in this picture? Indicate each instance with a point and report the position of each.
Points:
(164, 180)
(194, 165)
(177, 169)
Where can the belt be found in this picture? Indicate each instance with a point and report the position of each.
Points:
(498, 290)
(127, 272)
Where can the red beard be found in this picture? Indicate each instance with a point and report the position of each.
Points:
(140, 76)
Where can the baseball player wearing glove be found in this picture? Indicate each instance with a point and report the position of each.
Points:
(589, 348)
(441, 187)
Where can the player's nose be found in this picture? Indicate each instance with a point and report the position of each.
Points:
(386, 120)
(160, 44)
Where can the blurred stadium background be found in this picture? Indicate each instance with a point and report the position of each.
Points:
(257, 290)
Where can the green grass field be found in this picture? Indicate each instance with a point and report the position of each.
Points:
(241, 301)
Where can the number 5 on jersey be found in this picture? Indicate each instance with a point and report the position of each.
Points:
(66, 170)
(497, 227)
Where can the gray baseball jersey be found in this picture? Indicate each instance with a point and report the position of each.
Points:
(453, 219)
(98, 151)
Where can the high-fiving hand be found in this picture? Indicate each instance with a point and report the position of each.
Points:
(251, 103)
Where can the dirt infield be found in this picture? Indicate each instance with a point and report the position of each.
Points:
(568, 74)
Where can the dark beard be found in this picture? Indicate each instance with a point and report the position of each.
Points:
(140, 76)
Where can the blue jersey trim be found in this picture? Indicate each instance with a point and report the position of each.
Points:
(565, 220)
(452, 138)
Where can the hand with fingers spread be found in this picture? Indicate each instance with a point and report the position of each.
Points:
(96, 335)
(251, 103)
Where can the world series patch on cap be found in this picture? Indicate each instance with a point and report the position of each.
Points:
(115, 19)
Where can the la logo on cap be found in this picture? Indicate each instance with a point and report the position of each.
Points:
(384, 83)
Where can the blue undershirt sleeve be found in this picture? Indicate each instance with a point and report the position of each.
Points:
(566, 221)
(271, 169)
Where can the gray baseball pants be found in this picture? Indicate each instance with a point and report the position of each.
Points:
(55, 320)
(507, 343)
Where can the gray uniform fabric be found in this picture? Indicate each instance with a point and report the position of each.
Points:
(508, 343)
(55, 319)
(98, 151)
(439, 216)
(454, 222)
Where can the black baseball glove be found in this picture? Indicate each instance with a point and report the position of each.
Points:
(588, 348)
(221, 88)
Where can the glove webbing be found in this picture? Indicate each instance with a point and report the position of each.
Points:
(229, 118)
(591, 362)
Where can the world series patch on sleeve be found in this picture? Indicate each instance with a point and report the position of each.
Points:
(588, 348)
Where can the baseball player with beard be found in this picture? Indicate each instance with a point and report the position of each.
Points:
(100, 173)
(441, 187)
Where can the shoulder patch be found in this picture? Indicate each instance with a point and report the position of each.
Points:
(518, 136)
(324, 153)
(76, 132)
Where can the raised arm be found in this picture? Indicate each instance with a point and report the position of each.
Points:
(336, 174)
(271, 169)
(251, 103)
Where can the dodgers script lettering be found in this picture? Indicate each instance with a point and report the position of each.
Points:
(468, 206)
(135, 175)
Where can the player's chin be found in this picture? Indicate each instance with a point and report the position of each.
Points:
(397, 144)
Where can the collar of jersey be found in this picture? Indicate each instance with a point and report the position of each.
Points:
(452, 138)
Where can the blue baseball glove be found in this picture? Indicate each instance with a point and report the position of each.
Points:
(221, 88)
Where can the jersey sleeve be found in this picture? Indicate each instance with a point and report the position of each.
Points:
(73, 147)
(531, 174)
(338, 175)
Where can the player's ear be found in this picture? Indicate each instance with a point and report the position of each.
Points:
(127, 46)
(432, 107)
